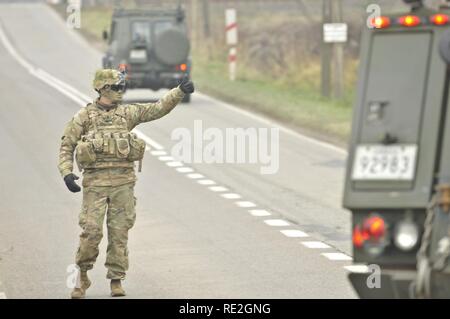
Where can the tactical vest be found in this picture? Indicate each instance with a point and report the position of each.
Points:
(108, 142)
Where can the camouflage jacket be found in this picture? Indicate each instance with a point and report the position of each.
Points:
(135, 114)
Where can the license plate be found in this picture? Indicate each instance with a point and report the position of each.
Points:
(384, 162)
(138, 54)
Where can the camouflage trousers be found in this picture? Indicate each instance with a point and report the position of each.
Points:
(118, 204)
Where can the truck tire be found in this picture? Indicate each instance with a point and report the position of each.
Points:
(172, 47)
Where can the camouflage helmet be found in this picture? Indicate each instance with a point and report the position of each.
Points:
(107, 77)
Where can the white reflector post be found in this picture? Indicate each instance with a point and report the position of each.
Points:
(232, 39)
(231, 26)
(232, 63)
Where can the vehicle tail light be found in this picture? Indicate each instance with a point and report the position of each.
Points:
(380, 22)
(371, 233)
(409, 21)
(375, 227)
(439, 19)
(181, 67)
(124, 67)
(359, 237)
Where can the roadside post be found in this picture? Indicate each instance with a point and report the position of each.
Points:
(336, 34)
(232, 40)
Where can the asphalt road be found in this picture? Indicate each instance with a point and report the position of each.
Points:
(190, 240)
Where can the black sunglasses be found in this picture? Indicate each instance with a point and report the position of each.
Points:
(116, 87)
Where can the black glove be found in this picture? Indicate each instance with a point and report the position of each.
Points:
(186, 85)
(70, 183)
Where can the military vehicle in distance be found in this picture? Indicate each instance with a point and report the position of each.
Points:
(152, 45)
(397, 182)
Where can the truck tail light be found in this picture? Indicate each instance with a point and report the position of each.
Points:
(181, 67)
(439, 19)
(375, 227)
(380, 22)
(409, 21)
(359, 237)
(371, 234)
(124, 67)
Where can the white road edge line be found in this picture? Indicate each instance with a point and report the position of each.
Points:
(259, 212)
(245, 204)
(358, 268)
(231, 196)
(276, 222)
(218, 189)
(206, 182)
(195, 176)
(337, 256)
(184, 169)
(174, 164)
(315, 245)
(293, 233)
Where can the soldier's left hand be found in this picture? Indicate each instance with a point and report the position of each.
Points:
(186, 85)
(70, 183)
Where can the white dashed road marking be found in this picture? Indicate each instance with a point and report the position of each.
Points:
(259, 212)
(357, 268)
(174, 164)
(195, 176)
(231, 196)
(315, 244)
(292, 232)
(276, 222)
(245, 204)
(184, 169)
(206, 182)
(336, 256)
(166, 158)
(218, 188)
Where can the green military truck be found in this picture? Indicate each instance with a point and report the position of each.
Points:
(399, 156)
(152, 45)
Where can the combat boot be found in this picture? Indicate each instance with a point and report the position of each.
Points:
(85, 283)
(116, 288)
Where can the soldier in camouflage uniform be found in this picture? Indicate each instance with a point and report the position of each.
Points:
(106, 150)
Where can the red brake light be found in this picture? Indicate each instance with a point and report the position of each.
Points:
(372, 229)
(181, 67)
(380, 22)
(359, 237)
(439, 19)
(409, 21)
(124, 67)
(375, 227)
